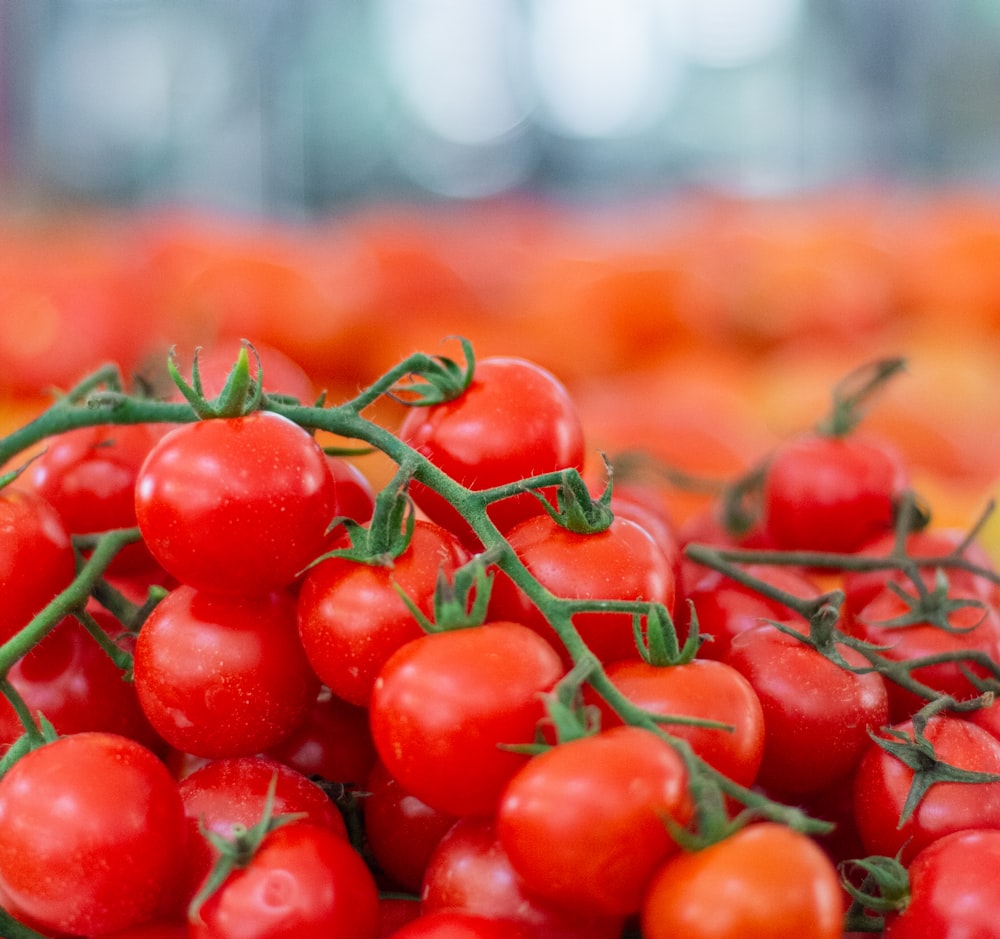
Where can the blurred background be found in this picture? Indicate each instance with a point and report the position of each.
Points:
(299, 107)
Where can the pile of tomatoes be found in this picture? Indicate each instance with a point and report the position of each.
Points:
(248, 692)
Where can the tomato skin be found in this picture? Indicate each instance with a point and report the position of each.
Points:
(441, 707)
(253, 685)
(954, 891)
(401, 831)
(236, 505)
(882, 781)
(831, 493)
(565, 816)
(470, 871)
(623, 562)
(766, 881)
(702, 688)
(515, 420)
(817, 715)
(303, 880)
(351, 619)
(229, 792)
(36, 557)
(93, 834)
(454, 924)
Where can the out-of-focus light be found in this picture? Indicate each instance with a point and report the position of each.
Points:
(598, 66)
(451, 65)
(730, 33)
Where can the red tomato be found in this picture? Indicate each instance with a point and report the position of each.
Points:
(705, 689)
(334, 742)
(401, 831)
(563, 819)
(470, 871)
(355, 495)
(764, 880)
(620, 563)
(227, 793)
(444, 704)
(221, 675)
(954, 891)
(71, 680)
(979, 631)
(93, 838)
(882, 782)
(351, 617)
(236, 505)
(817, 714)
(515, 420)
(725, 608)
(88, 476)
(455, 924)
(36, 558)
(831, 493)
(304, 880)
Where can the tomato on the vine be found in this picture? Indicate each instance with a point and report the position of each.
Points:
(765, 880)
(93, 835)
(351, 617)
(222, 675)
(515, 420)
(236, 505)
(445, 708)
(565, 816)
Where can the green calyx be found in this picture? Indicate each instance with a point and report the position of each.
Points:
(459, 603)
(240, 395)
(438, 379)
(576, 509)
(884, 888)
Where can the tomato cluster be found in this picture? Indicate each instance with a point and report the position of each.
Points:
(506, 694)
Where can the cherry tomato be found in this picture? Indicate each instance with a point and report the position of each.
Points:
(817, 714)
(764, 880)
(470, 871)
(401, 831)
(455, 924)
(444, 706)
(954, 891)
(882, 782)
(36, 557)
(515, 420)
(355, 495)
(703, 688)
(564, 817)
(826, 493)
(93, 838)
(227, 793)
(351, 617)
(623, 562)
(236, 505)
(303, 880)
(221, 675)
(88, 476)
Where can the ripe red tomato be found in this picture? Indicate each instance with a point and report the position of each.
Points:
(817, 714)
(564, 818)
(764, 880)
(623, 562)
(954, 891)
(351, 617)
(88, 476)
(236, 505)
(401, 831)
(978, 631)
(882, 782)
(455, 924)
(93, 837)
(227, 793)
(515, 420)
(703, 688)
(825, 493)
(36, 557)
(469, 871)
(444, 705)
(222, 675)
(303, 880)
